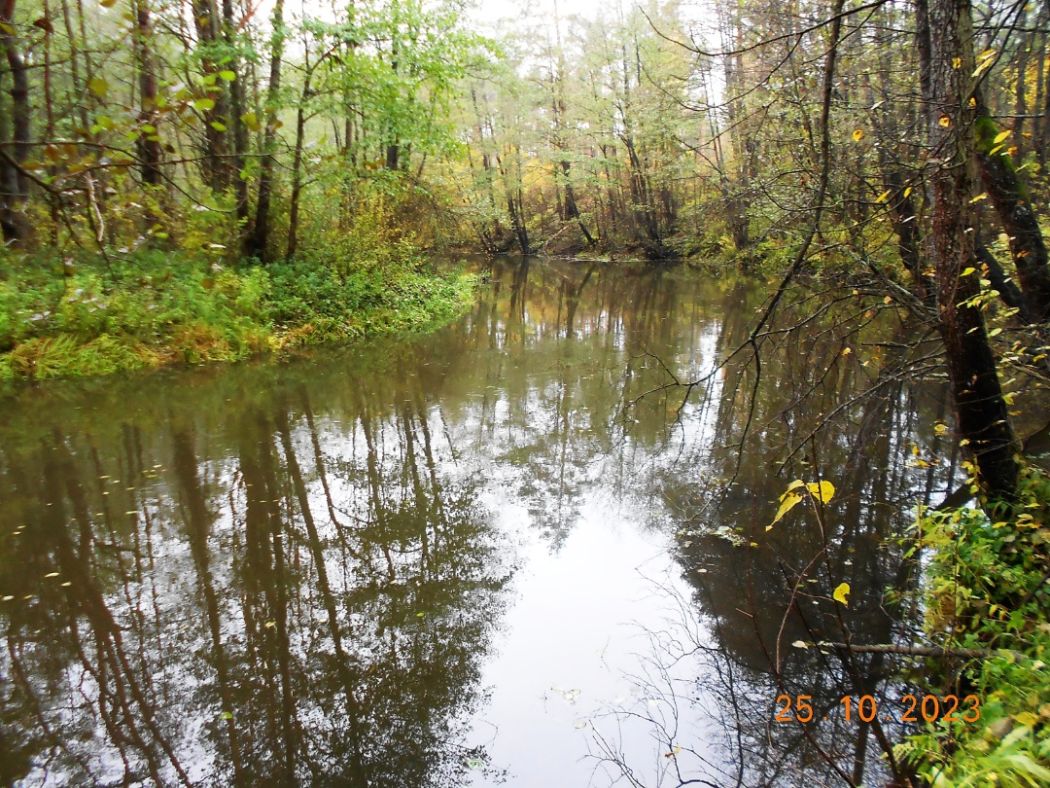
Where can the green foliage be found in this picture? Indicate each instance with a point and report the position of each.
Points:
(988, 590)
(150, 309)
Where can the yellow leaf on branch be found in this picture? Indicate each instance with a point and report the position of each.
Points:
(842, 594)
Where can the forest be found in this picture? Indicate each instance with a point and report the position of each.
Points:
(803, 221)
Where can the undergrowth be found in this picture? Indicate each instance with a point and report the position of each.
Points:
(988, 589)
(151, 309)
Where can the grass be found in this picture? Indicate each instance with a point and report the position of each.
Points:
(152, 309)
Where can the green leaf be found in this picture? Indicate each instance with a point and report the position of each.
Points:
(218, 126)
(98, 86)
(841, 593)
(204, 104)
(227, 76)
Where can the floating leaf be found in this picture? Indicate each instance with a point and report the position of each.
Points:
(841, 593)
(226, 715)
(800, 644)
(979, 197)
(883, 197)
(227, 76)
(907, 192)
(218, 126)
(968, 270)
(944, 121)
(858, 135)
(204, 104)
(1002, 135)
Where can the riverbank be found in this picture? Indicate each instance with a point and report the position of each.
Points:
(986, 592)
(153, 309)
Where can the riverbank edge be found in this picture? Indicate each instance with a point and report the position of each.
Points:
(986, 591)
(149, 312)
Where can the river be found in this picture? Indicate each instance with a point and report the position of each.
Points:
(508, 552)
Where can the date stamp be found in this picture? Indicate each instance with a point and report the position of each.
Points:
(865, 708)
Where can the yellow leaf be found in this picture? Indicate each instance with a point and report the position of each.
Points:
(979, 197)
(944, 121)
(940, 428)
(907, 191)
(788, 501)
(968, 270)
(846, 351)
(822, 491)
(1002, 135)
(841, 594)
(883, 197)
(956, 62)
(858, 135)
(1026, 718)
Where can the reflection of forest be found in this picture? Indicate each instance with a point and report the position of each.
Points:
(285, 573)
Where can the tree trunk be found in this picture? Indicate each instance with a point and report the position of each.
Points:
(1013, 204)
(981, 411)
(240, 132)
(14, 186)
(297, 167)
(149, 140)
(258, 243)
(215, 167)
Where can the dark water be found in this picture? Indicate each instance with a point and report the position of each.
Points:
(466, 558)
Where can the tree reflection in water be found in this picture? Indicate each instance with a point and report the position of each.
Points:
(295, 573)
(228, 618)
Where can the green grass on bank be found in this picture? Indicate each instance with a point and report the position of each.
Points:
(988, 588)
(152, 309)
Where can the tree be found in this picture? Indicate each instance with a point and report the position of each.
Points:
(981, 410)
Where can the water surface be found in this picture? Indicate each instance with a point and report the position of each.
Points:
(476, 557)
